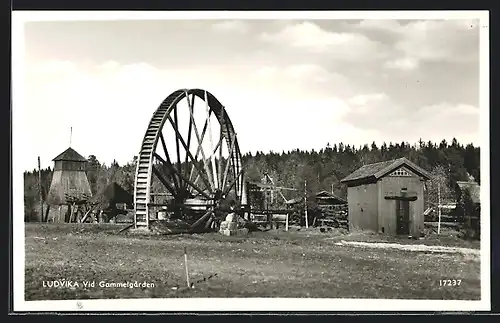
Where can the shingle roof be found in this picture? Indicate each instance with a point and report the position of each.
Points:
(70, 155)
(380, 169)
(474, 189)
(329, 195)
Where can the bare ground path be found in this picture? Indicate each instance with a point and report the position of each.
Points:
(411, 247)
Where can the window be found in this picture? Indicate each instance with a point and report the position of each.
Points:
(401, 172)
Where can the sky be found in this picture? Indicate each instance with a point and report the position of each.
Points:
(286, 84)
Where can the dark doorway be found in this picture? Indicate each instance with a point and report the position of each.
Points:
(403, 216)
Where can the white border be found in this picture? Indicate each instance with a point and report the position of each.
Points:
(241, 304)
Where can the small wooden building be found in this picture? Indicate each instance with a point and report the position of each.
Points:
(109, 199)
(327, 199)
(472, 187)
(69, 181)
(387, 197)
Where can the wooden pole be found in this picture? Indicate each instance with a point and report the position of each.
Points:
(286, 223)
(305, 203)
(439, 208)
(186, 266)
(40, 189)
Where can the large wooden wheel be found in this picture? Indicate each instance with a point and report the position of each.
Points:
(190, 154)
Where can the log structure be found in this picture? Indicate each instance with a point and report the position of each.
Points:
(69, 186)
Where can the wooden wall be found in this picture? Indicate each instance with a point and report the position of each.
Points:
(67, 182)
(69, 165)
(363, 207)
(391, 186)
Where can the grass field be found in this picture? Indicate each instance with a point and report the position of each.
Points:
(263, 264)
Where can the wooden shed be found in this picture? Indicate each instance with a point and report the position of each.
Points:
(387, 197)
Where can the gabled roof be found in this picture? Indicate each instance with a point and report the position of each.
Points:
(70, 155)
(377, 170)
(325, 195)
(329, 196)
(473, 188)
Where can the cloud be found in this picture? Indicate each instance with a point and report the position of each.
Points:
(310, 37)
(365, 99)
(238, 26)
(379, 24)
(452, 40)
(299, 85)
(55, 68)
(265, 73)
(404, 64)
(378, 112)
(305, 80)
(309, 72)
(110, 105)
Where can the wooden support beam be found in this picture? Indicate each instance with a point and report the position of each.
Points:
(200, 220)
(401, 198)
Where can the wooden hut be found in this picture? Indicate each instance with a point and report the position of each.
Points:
(109, 199)
(69, 184)
(387, 197)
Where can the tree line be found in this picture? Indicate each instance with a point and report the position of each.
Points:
(321, 170)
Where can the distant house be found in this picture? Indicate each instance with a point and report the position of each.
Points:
(327, 198)
(324, 200)
(387, 197)
(472, 187)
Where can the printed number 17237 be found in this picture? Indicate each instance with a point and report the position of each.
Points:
(450, 282)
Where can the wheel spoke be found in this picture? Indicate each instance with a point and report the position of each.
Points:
(187, 181)
(229, 161)
(211, 155)
(221, 134)
(185, 147)
(200, 149)
(177, 135)
(162, 179)
(164, 145)
(236, 179)
(190, 130)
(210, 138)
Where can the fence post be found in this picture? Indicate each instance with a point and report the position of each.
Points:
(439, 208)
